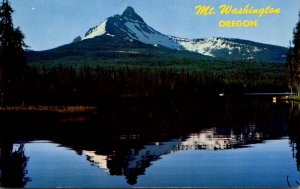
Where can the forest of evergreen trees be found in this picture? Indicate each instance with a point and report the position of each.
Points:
(87, 85)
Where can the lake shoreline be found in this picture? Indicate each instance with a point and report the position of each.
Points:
(93, 107)
(45, 108)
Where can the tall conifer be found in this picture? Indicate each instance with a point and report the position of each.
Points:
(293, 60)
(12, 56)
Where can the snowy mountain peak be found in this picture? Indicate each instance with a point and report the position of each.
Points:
(130, 26)
(129, 13)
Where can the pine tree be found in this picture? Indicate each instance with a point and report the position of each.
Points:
(290, 75)
(293, 60)
(296, 53)
(12, 56)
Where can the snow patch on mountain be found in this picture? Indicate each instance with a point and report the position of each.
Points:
(150, 36)
(209, 46)
(97, 31)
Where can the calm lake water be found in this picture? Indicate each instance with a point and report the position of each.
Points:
(154, 143)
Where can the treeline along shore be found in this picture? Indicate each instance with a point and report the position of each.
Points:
(85, 85)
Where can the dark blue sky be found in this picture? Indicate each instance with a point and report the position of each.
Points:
(51, 23)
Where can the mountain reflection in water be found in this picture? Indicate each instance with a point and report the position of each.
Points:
(126, 137)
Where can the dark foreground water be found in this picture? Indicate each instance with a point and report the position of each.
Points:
(154, 143)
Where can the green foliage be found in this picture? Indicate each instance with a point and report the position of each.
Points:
(12, 55)
(178, 77)
(293, 60)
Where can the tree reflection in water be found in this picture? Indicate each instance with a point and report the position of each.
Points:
(13, 165)
(294, 132)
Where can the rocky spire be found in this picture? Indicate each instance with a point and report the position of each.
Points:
(131, 14)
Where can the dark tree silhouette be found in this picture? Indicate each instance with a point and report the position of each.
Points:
(12, 55)
(290, 73)
(293, 60)
(13, 166)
